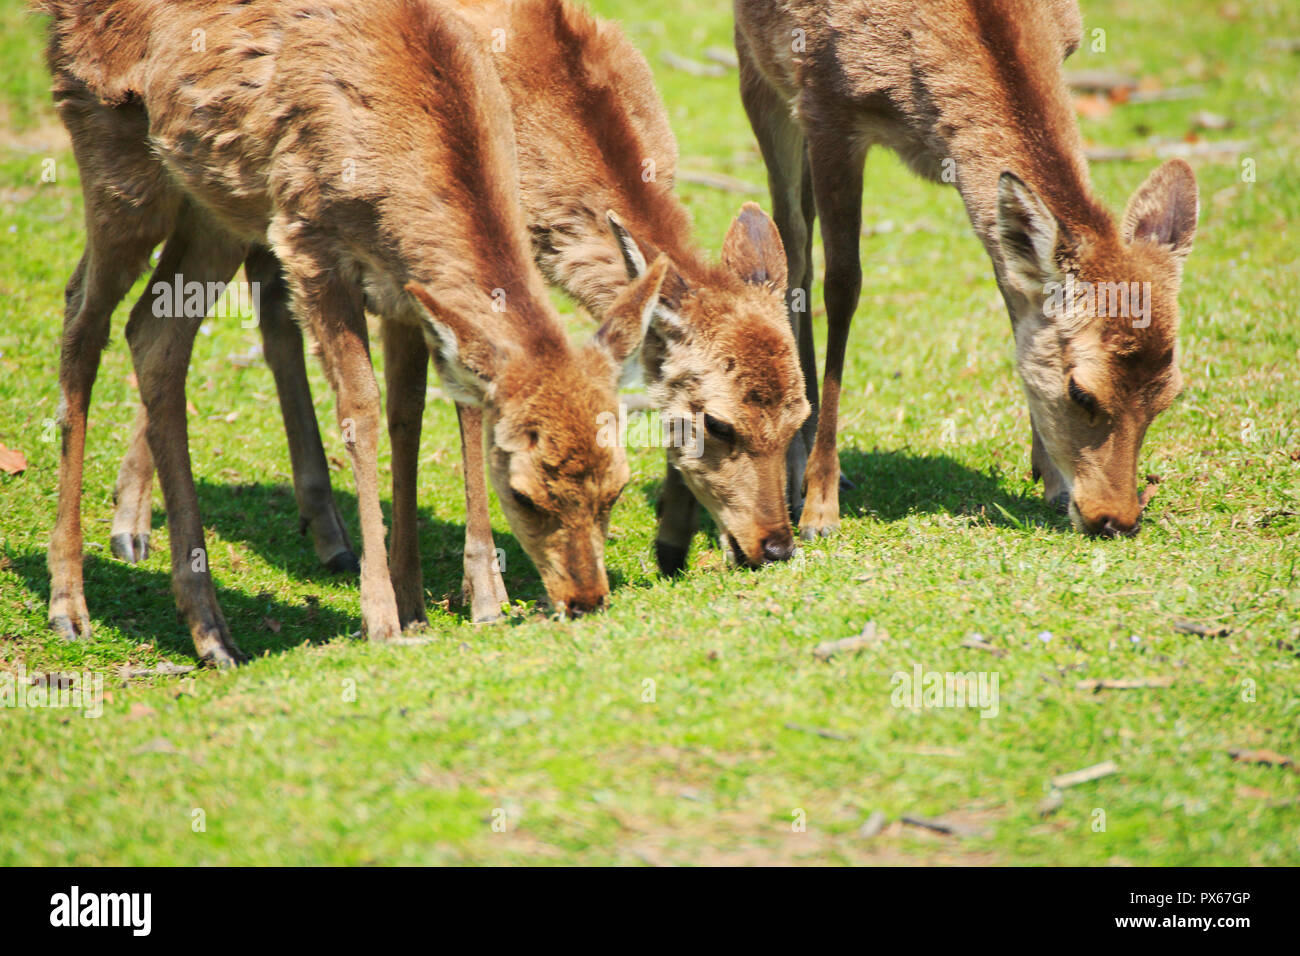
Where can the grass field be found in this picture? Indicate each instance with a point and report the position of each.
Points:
(692, 723)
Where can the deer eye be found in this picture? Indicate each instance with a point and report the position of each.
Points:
(719, 429)
(523, 501)
(1082, 398)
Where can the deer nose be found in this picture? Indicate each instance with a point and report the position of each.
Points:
(1109, 527)
(778, 547)
(578, 606)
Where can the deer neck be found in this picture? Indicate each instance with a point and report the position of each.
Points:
(1008, 109)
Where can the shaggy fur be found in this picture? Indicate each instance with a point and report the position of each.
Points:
(971, 92)
(368, 144)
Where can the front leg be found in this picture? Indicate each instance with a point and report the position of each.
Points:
(837, 186)
(406, 372)
(1055, 489)
(332, 305)
(678, 519)
(484, 590)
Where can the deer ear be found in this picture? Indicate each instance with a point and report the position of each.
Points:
(1164, 209)
(630, 316)
(753, 248)
(466, 357)
(1026, 236)
(633, 257)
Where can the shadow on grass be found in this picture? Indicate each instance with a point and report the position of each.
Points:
(138, 601)
(891, 485)
(263, 517)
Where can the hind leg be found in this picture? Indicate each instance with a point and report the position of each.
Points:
(112, 261)
(283, 346)
(789, 179)
(129, 209)
(197, 251)
(133, 496)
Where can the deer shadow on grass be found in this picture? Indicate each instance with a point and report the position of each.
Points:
(262, 518)
(137, 600)
(893, 485)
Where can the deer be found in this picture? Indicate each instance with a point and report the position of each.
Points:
(718, 350)
(971, 92)
(366, 146)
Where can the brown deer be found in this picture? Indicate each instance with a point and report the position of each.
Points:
(971, 92)
(368, 145)
(595, 137)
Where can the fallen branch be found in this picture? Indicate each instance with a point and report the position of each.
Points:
(163, 670)
(693, 67)
(1067, 780)
(1123, 683)
(949, 827)
(728, 184)
(1202, 630)
(865, 638)
(1270, 757)
(819, 731)
(1170, 149)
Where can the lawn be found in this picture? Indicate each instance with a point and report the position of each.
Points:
(692, 722)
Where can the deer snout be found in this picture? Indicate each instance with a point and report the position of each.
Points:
(778, 547)
(1112, 524)
(577, 606)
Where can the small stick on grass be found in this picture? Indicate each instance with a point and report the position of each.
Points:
(865, 638)
(1124, 683)
(1067, 780)
(819, 731)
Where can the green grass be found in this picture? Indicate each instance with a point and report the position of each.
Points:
(327, 749)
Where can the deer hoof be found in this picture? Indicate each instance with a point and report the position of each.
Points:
(123, 547)
(671, 559)
(345, 562)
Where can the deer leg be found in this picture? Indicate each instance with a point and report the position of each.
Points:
(160, 350)
(283, 346)
(406, 372)
(837, 187)
(484, 590)
(133, 496)
(108, 267)
(789, 181)
(1054, 487)
(678, 519)
(332, 304)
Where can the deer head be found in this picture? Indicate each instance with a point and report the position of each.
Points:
(1096, 324)
(543, 401)
(721, 366)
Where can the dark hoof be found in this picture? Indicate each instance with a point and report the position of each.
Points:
(671, 559)
(224, 658)
(344, 561)
(123, 548)
(65, 629)
(1062, 502)
(845, 483)
(141, 547)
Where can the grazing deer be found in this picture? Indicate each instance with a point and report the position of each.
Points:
(595, 137)
(368, 145)
(970, 91)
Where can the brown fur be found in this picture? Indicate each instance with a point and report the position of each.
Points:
(974, 87)
(244, 138)
(588, 140)
(595, 137)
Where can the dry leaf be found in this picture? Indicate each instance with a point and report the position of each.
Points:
(12, 461)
